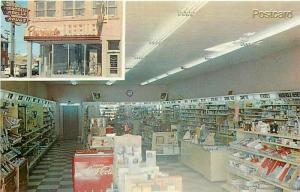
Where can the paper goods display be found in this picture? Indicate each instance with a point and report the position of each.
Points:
(127, 150)
(97, 126)
(137, 183)
(151, 158)
(165, 143)
(143, 172)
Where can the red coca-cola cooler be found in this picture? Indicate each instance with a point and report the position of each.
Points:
(92, 170)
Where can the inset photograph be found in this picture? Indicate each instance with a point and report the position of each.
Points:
(62, 40)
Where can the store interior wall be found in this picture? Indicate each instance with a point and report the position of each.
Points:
(32, 88)
(115, 93)
(275, 72)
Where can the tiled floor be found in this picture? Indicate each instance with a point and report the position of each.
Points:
(54, 172)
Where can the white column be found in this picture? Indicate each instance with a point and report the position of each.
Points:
(42, 60)
(52, 60)
(68, 56)
(84, 59)
(29, 59)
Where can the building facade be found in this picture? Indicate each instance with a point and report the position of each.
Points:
(76, 38)
(4, 53)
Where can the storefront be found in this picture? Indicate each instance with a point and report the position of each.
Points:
(83, 40)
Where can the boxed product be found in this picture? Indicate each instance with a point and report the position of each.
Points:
(100, 142)
(151, 158)
(165, 143)
(127, 152)
(92, 170)
(136, 183)
(143, 172)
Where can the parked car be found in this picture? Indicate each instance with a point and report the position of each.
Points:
(7, 71)
(21, 70)
(35, 69)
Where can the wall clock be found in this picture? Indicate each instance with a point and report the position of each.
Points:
(129, 93)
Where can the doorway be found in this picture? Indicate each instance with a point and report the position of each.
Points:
(70, 122)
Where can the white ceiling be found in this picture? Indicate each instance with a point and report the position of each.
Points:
(217, 22)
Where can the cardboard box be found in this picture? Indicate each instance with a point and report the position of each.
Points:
(143, 172)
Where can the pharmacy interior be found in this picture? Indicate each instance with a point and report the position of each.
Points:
(200, 109)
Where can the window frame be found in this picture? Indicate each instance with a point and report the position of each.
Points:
(44, 9)
(74, 8)
(115, 7)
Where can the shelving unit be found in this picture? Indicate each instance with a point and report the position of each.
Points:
(267, 145)
(27, 133)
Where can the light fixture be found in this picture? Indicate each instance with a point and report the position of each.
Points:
(110, 82)
(163, 33)
(176, 70)
(225, 48)
(74, 82)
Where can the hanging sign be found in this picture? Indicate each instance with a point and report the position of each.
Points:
(15, 14)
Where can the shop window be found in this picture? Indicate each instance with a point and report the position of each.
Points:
(111, 8)
(113, 45)
(113, 59)
(73, 8)
(45, 8)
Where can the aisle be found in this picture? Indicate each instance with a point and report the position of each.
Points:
(191, 180)
(54, 171)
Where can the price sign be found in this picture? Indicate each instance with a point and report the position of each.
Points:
(229, 98)
(203, 100)
(285, 95)
(244, 97)
(213, 99)
(20, 97)
(265, 96)
(296, 94)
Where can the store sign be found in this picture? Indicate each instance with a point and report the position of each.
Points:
(15, 14)
(34, 31)
(62, 29)
(265, 96)
(289, 95)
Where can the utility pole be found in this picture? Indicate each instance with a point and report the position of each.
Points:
(12, 49)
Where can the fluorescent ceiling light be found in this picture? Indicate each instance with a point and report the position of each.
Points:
(176, 70)
(110, 83)
(222, 47)
(163, 33)
(225, 48)
(74, 83)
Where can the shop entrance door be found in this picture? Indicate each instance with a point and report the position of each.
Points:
(70, 122)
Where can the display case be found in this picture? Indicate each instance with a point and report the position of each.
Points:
(210, 161)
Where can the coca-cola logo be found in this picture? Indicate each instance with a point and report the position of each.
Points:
(105, 170)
